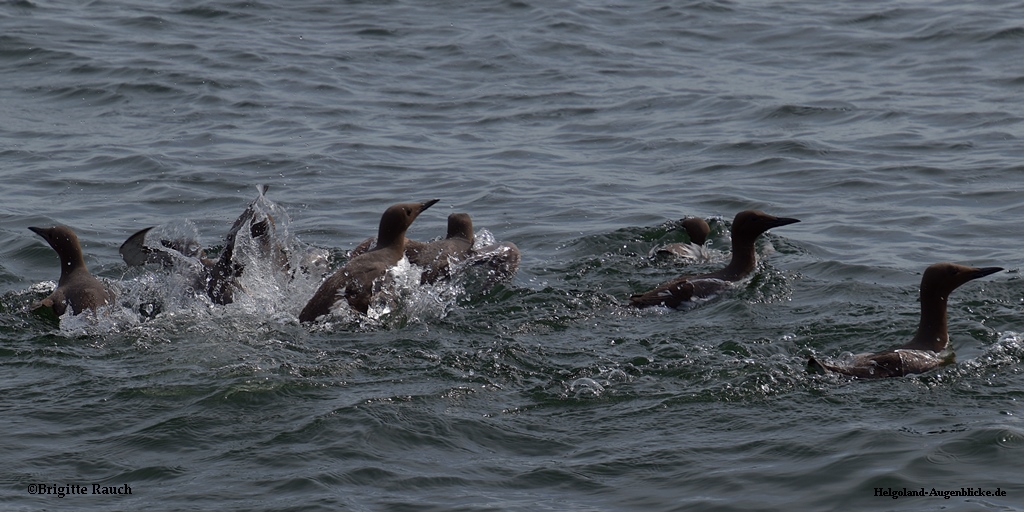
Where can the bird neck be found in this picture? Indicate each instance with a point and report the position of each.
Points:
(743, 261)
(69, 264)
(391, 242)
(932, 332)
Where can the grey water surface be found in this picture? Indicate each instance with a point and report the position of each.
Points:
(580, 131)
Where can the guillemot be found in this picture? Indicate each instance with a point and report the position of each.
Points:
(698, 230)
(77, 288)
(922, 353)
(746, 227)
(355, 280)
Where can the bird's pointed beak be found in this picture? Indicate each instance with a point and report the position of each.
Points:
(427, 204)
(985, 271)
(784, 221)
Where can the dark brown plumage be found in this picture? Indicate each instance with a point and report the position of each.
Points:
(500, 259)
(77, 288)
(437, 257)
(218, 278)
(746, 227)
(355, 280)
(221, 278)
(921, 353)
(698, 230)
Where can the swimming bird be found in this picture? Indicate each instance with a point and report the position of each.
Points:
(501, 259)
(697, 229)
(746, 227)
(216, 277)
(437, 257)
(222, 276)
(77, 288)
(921, 353)
(136, 253)
(355, 280)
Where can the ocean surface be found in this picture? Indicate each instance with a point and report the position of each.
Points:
(581, 131)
